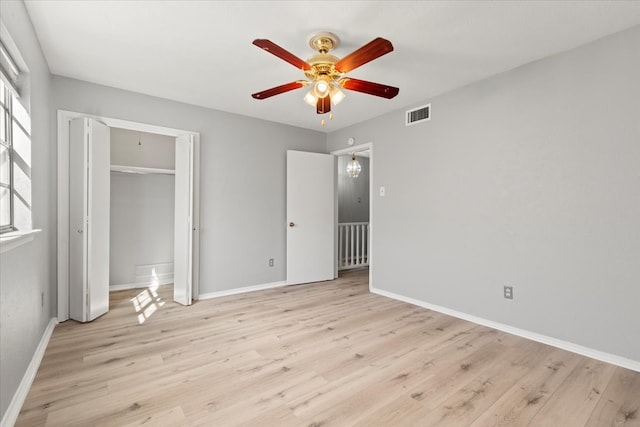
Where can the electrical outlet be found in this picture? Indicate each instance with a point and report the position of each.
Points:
(270, 262)
(508, 292)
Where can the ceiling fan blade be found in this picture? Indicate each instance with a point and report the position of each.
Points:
(372, 50)
(370, 88)
(279, 89)
(281, 53)
(323, 105)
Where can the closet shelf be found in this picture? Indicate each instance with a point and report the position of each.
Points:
(141, 170)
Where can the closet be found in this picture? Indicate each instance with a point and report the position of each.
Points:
(131, 197)
(142, 209)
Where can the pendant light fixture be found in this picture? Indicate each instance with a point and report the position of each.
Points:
(353, 167)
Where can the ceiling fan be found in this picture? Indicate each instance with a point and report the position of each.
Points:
(326, 72)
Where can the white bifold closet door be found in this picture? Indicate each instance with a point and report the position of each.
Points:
(89, 211)
(183, 239)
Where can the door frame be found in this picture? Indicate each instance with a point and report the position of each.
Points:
(63, 119)
(345, 151)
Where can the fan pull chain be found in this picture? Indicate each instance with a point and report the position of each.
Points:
(324, 122)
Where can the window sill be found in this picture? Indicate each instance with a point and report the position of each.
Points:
(14, 239)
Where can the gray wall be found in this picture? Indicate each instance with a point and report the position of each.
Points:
(242, 177)
(531, 179)
(29, 270)
(353, 193)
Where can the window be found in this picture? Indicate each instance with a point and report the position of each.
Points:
(15, 144)
(6, 163)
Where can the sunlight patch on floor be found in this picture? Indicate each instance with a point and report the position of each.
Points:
(148, 301)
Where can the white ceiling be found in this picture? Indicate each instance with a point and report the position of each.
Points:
(200, 52)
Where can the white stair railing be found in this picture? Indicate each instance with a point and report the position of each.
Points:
(353, 245)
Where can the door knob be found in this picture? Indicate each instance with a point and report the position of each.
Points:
(291, 224)
(80, 231)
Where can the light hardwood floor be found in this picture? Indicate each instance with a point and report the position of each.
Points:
(324, 354)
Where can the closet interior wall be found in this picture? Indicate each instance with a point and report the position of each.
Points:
(142, 209)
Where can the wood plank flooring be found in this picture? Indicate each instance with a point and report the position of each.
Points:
(329, 353)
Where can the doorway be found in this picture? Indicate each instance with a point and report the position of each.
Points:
(182, 138)
(362, 234)
(353, 211)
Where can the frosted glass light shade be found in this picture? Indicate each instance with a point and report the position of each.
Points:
(336, 95)
(353, 167)
(310, 98)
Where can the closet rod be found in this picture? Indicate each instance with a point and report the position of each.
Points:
(141, 170)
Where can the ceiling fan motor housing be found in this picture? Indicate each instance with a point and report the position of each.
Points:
(322, 64)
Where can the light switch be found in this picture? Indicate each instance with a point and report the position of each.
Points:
(383, 192)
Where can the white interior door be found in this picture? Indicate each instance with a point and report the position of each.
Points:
(183, 240)
(89, 208)
(310, 217)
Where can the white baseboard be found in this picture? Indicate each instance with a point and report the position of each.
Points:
(139, 285)
(634, 365)
(13, 410)
(242, 290)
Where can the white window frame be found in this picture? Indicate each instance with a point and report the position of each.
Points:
(13, 74)
(6, 140)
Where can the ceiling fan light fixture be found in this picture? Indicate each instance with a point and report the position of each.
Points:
(310, 98)
(321, 88)
(336, 95)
